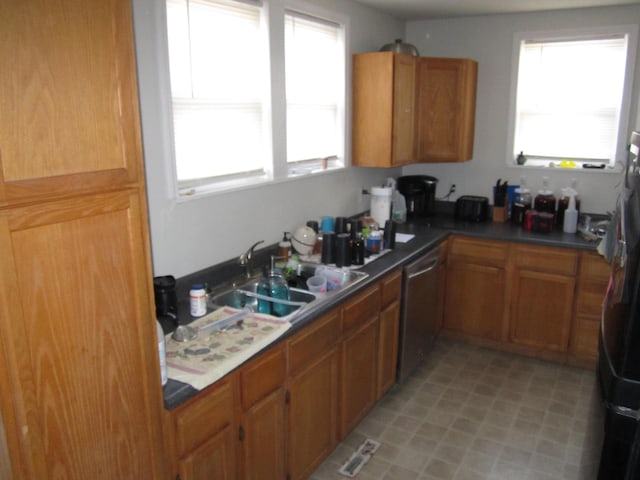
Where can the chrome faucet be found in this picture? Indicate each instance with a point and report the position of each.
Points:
(245, 259)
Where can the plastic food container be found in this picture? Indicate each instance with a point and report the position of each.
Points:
(317, 284)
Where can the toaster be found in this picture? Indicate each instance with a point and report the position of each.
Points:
(471, 208)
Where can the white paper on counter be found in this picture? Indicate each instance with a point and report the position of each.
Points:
(403, 237)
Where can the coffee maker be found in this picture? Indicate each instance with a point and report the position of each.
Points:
(164, 289)
(420, 194)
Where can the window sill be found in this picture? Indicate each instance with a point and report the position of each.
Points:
(546, 168)
(221, 188)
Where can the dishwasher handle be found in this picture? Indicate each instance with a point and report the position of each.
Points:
(434, 263)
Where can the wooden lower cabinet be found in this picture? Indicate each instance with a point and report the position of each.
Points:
(282, 413)
(388, 333)
(543, 280)
(358, 375)
(262, 423)
(313, 395)
(358, 372)
(592, 283)
(536, 300)
(475, 288)
(541, 310)
(215, 458)
(205, 433)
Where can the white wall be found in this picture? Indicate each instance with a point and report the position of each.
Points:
(193, 235)
(489, 40)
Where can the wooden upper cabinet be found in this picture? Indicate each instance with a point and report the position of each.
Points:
(383, 109)
(446, 109)
(70, 120)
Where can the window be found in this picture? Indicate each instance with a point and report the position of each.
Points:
(219, 89)
(571, 97)
(315, 81)
(222, 96)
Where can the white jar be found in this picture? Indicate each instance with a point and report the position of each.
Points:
(162, 350)
(381, 204)
(198, 300)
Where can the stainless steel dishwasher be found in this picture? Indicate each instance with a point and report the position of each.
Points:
(418, 321)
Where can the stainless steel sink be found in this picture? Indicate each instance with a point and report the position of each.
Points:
(342, 277)
(246, 295)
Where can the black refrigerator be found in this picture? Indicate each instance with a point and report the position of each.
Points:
(619, 343)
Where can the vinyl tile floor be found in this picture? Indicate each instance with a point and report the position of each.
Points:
(470, 413)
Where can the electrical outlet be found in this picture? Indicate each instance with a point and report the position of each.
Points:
(452, 188)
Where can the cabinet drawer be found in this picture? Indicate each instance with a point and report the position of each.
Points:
(550, 260)
(391, 287)
(200, 420)
(478, 251)
(313, 341)
(360, 309)
(262, 376)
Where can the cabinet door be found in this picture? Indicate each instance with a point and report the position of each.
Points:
(70, 118)
(592, 285)
(474, 300)
(388, 348)
(263, 443)
(263, 402)
(404, 110)
(446, 109)
(541, 310)
(214, 459)
(358, 377)
(313, 415)
(383, 129)
(77, 329)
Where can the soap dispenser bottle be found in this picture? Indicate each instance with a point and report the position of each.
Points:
(284, 247)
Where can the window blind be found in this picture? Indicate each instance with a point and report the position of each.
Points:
(219, 82)
(314, 64)
(569, 95)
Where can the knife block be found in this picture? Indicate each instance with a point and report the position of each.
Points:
(499, 214)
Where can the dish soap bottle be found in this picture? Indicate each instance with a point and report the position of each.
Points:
(284, 247)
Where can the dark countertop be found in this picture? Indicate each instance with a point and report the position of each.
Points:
(429, 232)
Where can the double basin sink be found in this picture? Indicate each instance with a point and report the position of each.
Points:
(246, 295)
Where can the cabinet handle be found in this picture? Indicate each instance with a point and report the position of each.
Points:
(431, 266)
(241, 433)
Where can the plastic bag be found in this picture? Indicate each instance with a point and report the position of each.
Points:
(398, 203)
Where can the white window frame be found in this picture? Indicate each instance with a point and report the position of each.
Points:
(631, 31)
(279, 170)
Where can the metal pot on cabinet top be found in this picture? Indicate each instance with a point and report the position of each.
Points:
(400, 47)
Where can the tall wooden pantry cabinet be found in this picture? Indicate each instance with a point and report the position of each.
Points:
(80, 394)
